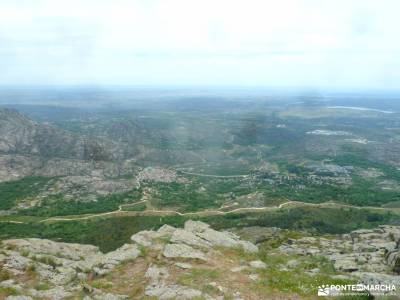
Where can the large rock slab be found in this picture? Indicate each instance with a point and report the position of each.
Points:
(248, 246)
(145, 238)
(346, 265)
(195, 226)
(218, 238)
(257, 264)
(182, 251)
(42, 246)
(157, 275)
(166, 230)
(173, 291)
(393, 260)
(124, 253)
(181, 236)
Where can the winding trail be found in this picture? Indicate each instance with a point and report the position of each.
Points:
(119, 210)
(208, 212)
(154, 212)
(13, 222)
(213, 176)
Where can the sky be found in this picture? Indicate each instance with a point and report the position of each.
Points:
(271, 43)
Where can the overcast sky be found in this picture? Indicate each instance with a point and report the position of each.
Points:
(311, 43)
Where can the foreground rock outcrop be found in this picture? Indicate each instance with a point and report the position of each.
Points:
(198, 262)
(372, 255)
(61, 270)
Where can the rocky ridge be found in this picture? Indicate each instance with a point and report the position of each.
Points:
(195, 262)
(369, 254)
(65, 268)
(21, 135)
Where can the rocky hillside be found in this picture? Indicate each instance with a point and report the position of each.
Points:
(198, 262)
(29, 149)
(20, 135)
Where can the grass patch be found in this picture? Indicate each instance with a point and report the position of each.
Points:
(101, 284)
(42, 286)
(47, 260)
(4, 275)
(7, 291)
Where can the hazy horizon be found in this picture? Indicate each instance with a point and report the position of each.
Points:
(305, 44)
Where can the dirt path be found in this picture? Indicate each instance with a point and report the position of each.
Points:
(13, 222)
(203, 213)
(213, 176)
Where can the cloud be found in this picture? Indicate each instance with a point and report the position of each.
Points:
(252, 42)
